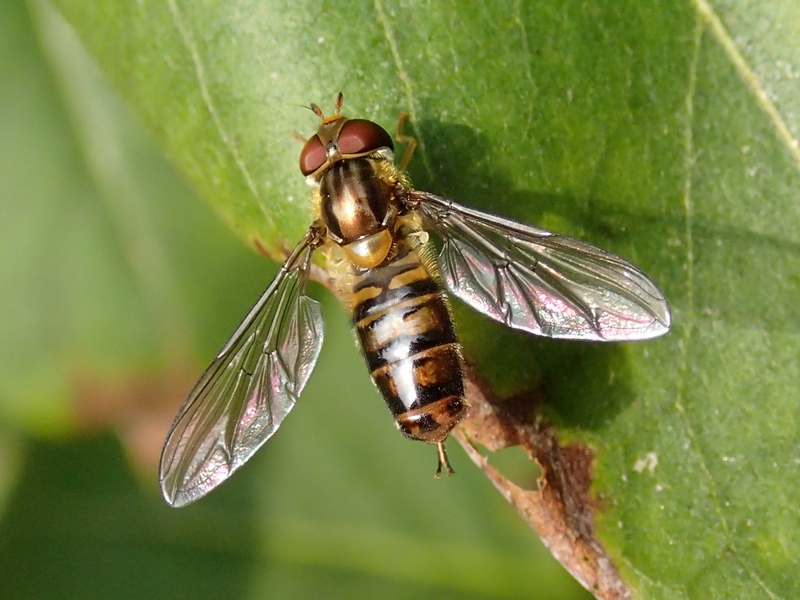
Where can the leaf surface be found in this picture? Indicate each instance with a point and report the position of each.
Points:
(664, 133)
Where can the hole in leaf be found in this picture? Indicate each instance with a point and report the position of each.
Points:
(515, 464)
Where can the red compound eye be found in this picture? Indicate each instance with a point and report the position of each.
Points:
(313, 156)
(356, 136)
(360, 135)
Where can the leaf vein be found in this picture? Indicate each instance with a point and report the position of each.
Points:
(405, 79)
(688, 206)
(747, 74)
(199, 69)
(523, 34)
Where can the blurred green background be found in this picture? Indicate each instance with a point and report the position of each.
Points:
(116, 288)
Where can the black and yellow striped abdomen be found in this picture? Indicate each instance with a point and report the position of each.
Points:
(405, 329)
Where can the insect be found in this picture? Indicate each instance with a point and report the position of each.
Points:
(368, 214)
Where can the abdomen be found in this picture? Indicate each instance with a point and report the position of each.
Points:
(406, 332)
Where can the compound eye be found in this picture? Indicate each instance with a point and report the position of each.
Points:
(313, 155)
(359, 135)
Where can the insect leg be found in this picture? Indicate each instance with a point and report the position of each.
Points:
(405, 139)
(443, 461)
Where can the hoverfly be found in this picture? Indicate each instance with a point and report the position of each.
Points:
(527, 278)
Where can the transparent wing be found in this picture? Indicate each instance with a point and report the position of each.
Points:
(536, 281)
(245, 393)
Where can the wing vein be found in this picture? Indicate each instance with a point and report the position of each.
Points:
(246, 392)
(540, 282)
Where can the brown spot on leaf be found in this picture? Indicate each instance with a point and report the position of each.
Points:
(139, 407)
(260, 248)
(562, 510)
(273, 255)
(318, 273)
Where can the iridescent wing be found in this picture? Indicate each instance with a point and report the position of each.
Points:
(540, 282)
(245, 393)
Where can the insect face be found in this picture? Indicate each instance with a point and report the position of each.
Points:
(340, 138)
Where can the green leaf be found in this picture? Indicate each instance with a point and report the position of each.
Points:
(97, 275)
(117, 287)
(663, 132)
